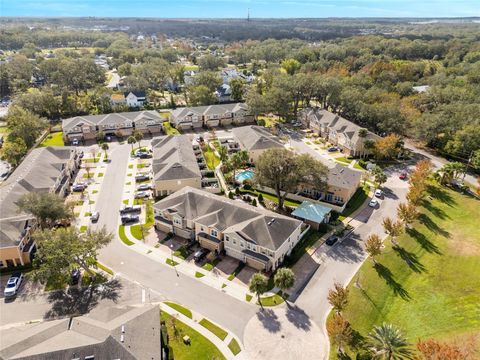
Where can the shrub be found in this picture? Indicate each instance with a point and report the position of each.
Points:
(237, 191)
(230, 195)
(334, 215)
(260, 198)
(261, 122)
(254, 202)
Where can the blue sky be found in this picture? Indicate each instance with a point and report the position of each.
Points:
(238, 8)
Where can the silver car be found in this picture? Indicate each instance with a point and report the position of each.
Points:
(13, 284)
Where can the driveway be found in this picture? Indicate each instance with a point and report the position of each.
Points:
(214, 304)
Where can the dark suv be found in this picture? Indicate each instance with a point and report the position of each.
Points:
(131, 209)
(200, 254)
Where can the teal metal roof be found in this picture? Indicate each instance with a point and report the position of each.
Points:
(311, 211)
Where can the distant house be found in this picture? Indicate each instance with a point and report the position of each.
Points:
(421, 88)
(210, 116)
(135, 99)
(256, 140)
(118, 99)
(337, 130)
(118, 124)
(178, 163)
(223, 93)
(258, 237)
(189, 77)
(46, 169)
(115, 332)
(231, 74)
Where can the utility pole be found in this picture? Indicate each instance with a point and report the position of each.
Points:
(248, 14)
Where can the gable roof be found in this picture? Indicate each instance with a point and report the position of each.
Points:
(311, 211)
(122, 333)
(137, 93)
(256, 225)
(254, 137)
(339, 124)
(179, 114)
(38, 172)
(174, 158)
(112, 118)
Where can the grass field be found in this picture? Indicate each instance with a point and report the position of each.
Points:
(210, 158)
(123, 236)
(355, 202)
(234, 347)
(169, 130)
(180, 309)
(430, 285)
(199, 348)
(218, 331)
(53, 139)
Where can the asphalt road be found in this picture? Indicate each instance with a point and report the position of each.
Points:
(160, 278)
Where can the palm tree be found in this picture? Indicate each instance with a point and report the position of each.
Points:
(362, 134)
(450, 172)
(105, 147)
(386, 342)
(223, 153)
(138, 137)
(284, 279)
(258, 285)
(131, 140)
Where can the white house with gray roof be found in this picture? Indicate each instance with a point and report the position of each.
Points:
(256, 139)
(88, 127)
(258, 237)
(337, 130)
(47, 169)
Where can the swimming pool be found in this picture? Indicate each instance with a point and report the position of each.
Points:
(244, 175)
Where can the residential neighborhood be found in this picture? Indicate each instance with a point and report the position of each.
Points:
(294, 182)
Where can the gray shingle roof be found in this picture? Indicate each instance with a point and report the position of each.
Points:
(254, 137)
(113, 118)
(173, 158)
(257, 225)
(38, 172)
(88, 335)
(179, 113)
(343, 177)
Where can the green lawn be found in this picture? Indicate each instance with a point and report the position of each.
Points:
(123, 236)
(273, 300)
(430, 285)
(83, 228)
(136, 231)
(291, 203)
(199, 348)
(179, 308)
(210, 158)
(235, 272)
(171, 262)
(169, 130)
(234, 347)
(248, 297)
(355, 202)
(53, 139)
(218, 331)
(343, 159)
(209, 266)
(198, 274)
(104, 268)
(181, 252)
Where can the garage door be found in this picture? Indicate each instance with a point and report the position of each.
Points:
(257, 265)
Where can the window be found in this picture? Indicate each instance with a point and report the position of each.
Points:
(177, 222)
(241, 244)
(234, 241)
(248, 246)
(227, 238)
(201, 228)
(214, 233)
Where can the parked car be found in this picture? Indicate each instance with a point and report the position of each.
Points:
(332, 239)
(332, 149)
(94, 217)
(79, 187)
(144, 187)
(75, 142)
(403, 175)
(75, 276)
(131, 209)
(373, 203)
(145, 156)
(142, 177)
(200, 254)
(141, 153)
(142, 195)
(13, 284)
(129, 218)
(378, 193)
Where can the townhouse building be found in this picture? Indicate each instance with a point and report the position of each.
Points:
(210, 116)
(89, 127)
(346, 135)
(256, 236)
(48, 169)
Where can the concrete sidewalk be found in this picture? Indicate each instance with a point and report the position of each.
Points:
(194, 323)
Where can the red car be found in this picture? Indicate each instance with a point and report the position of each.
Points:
(403, 175)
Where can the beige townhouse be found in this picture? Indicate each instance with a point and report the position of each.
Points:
(48, 169)
(258, 237)
(346, 135)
